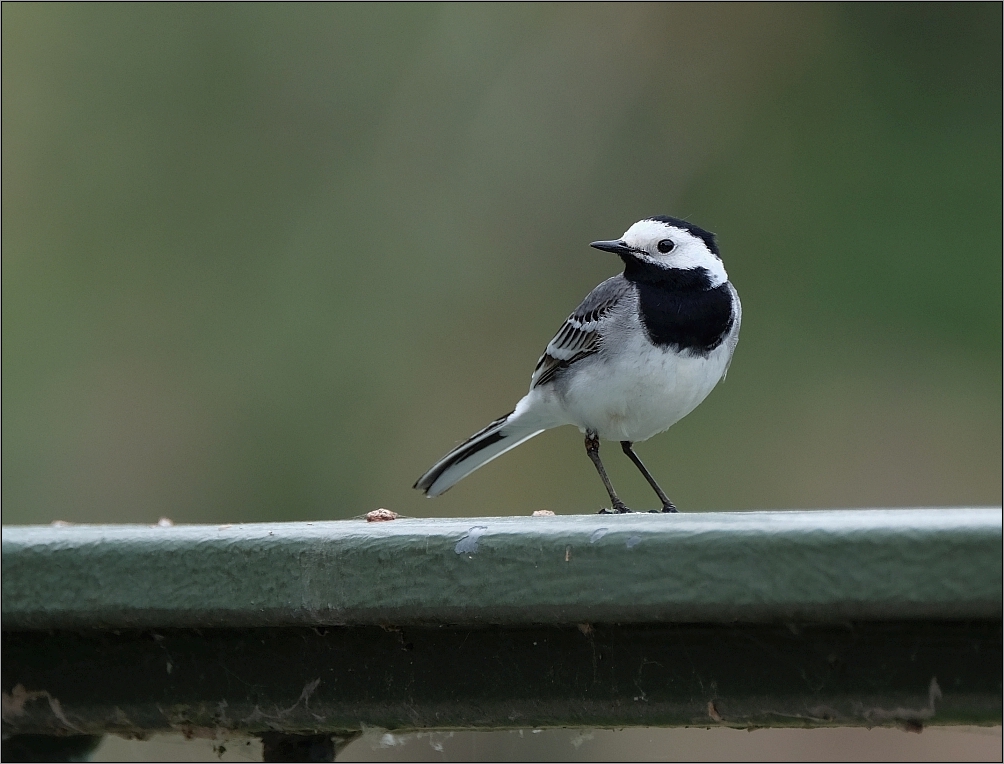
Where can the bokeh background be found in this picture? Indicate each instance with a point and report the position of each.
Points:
(270, 262)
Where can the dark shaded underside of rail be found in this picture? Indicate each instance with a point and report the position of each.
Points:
(310, 680)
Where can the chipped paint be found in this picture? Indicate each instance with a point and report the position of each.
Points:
(13, 705)
(469, 543)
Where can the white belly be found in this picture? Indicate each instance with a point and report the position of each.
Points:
(642, 390)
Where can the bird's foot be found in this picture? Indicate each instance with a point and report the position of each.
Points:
(670, 507)
(620, 508)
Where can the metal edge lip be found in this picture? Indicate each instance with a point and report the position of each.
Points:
(835, 520)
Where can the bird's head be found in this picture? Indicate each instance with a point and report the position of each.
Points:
(669, 243)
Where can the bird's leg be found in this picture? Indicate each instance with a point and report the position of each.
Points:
(593, 451)
(667, 505)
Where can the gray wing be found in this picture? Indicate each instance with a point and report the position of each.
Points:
(579, 336)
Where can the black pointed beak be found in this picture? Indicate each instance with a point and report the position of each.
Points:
(618, 247)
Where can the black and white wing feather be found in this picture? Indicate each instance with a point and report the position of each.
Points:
(580, 335)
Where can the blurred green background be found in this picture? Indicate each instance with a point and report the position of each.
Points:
(269, 262)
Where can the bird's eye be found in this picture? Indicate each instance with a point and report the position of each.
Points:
(666, 245)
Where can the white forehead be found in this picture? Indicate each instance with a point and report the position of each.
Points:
(645, 232)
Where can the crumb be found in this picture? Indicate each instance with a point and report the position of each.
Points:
(225, 527)
(586, 628)
(542, 513)
(380, 515)
(60, 524)
(165, 522)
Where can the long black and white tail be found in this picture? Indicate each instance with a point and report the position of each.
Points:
(479, 449)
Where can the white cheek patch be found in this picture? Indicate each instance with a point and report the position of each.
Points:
(694, 254)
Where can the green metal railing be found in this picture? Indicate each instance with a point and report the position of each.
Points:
(845, 617)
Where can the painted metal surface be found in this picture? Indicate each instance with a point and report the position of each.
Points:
(821, 566)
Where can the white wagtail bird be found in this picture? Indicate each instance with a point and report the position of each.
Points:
(639, 354)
